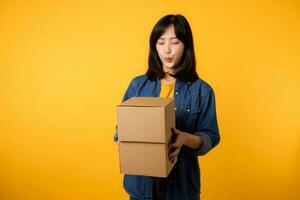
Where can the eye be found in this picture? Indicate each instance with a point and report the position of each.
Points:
(160, 43)
(175, 41)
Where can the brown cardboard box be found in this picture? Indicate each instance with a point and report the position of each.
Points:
(144, 132)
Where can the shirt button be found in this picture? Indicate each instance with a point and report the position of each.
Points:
(176, 93)
(188, 110)
(175, 108)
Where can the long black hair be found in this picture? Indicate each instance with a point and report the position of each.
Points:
(186, 68)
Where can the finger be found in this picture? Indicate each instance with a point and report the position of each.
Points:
(175, 145)
(174, 160)
(172, 148)
(174, 153)
(175, 131)
(172, 157)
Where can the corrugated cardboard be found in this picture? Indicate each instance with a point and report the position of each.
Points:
(144, 132)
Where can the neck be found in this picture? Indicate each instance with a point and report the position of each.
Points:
(168, 79)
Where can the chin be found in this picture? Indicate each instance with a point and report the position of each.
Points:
(169, 65)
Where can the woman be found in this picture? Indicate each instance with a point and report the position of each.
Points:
(172, 73)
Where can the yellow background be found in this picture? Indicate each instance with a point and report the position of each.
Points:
(65, 65)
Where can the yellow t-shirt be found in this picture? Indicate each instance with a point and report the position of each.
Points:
(167, 90)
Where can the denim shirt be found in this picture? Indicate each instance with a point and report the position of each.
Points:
(196, 114)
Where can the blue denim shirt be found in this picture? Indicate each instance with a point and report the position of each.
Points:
(195, 114)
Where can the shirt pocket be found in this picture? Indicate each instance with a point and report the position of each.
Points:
(191, 105)
(191, 113)
(190, 109)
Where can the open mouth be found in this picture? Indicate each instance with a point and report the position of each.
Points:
(168, 60)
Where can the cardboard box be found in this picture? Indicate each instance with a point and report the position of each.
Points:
(144, 132)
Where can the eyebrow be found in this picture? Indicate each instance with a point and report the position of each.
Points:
(170, 38)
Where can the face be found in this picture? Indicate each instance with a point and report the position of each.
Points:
(169, 49)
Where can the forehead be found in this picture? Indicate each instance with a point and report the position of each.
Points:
(169, 33)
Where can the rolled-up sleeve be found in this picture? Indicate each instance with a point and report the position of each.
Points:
(207, 125)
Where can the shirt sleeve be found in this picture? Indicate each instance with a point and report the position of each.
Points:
(130, 92)
(207, 125)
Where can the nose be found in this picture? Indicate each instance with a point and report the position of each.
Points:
(167, 48)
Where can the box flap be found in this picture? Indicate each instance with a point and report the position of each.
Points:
(147, 102)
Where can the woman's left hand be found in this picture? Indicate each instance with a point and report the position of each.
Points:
(174, 148)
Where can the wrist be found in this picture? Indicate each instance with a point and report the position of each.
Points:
(184, 138)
